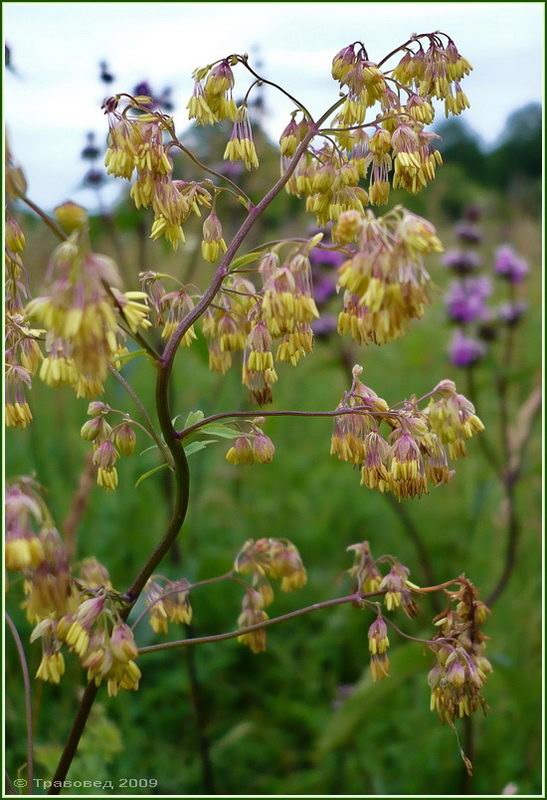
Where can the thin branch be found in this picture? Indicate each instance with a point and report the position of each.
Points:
(134, 334)
(74, 737)
(283, 413)
(28, 700)
(220, 637)
(513, 534)
(78, 505)
(188, 588)
(484, 442)
(260, 79)
(204, 744)
(10, 788)
(52, 225)
(415, 537)
(144, 413)
(507, 476)
(522, 431)
(237, 190)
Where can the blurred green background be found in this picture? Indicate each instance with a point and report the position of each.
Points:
(304, 718)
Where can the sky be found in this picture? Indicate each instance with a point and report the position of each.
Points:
(55, 96)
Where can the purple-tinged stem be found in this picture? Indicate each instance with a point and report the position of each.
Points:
(220, 637)
(28, 700)
(283, 413)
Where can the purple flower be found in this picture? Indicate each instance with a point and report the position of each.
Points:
(509, 265)
(143, 88)
(231, 169)
(464, 351)
(465, 300)
(324, 327)
(94, 177)
(323, 288)
(468, 233)
(326, 258)
(472, 213)
(511, 313)
(462, 261)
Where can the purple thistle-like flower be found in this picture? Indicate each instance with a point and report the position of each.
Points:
(94, 177)
(326, 258)
(462, 261)
(511, 313)
(509, 265)
(472, 213)
(465, 300)
(323, 288)
(324, 327)
(464, 351)
(468, 233)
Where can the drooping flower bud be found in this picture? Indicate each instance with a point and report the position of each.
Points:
(71, 216)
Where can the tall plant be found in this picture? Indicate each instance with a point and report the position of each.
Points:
(259, 304)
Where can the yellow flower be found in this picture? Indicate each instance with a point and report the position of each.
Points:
(23, 552)
(52, 667)
(18, 415)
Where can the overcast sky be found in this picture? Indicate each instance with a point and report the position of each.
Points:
(55, 96)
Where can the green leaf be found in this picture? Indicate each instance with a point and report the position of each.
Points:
(218, 429)
(248, 258)
(148, 449)
(150, 472)
(193, 447)
(342, 728)
(125, 358)
(193, 417)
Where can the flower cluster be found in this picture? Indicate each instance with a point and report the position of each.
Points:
(253, 447)
(83, 612)
(22, 351)
(394, 585)
(80, 316)
(169, 308)
(414, 454)
(436, 73)
(385, 282)
(212, 101)
(398, 144)
(108, 442)
(398, 149)
(378, 643)
(24, 510)
(265, 560)
(466, 298)
(382, 275)
(252, 613)
(461, 670)
(167, 603)
(136, 145)
(262, 560)
(243, 319)
(458, 646)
